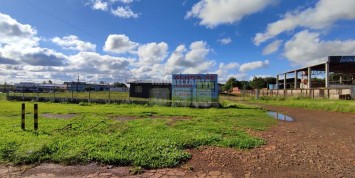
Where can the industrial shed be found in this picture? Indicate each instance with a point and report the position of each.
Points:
(339, 65)
(157, 89)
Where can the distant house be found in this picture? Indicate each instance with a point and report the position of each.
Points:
(75, 86)
(38, 87)
(236, 90)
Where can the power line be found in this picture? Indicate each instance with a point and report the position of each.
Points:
(62, 20)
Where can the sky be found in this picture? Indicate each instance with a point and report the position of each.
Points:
(116, 40)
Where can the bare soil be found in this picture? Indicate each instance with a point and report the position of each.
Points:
(316, 144)
(58, 116)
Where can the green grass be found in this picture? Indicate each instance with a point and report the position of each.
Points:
(152, 140)
(308, 103)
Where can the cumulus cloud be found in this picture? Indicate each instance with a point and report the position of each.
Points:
(253, 65)
(34, 56)
(272, 47)
(323, 15)
(225, 41)
(124, 12)
(99, 5)
(152, 53)
(119, 44)
(94, 62)
(306, 48)
(216, 12)
(72, 42)
(224, 70)
(19, 45)
(13, 32)
(193, 60)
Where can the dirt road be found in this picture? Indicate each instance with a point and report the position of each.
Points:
(316, 144)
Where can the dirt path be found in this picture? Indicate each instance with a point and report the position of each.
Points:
(316, 144)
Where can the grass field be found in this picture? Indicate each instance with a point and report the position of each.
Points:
(138, 135)
(320, 104)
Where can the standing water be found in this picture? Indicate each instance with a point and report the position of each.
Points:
(280, 116)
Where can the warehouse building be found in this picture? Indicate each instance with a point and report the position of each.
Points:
(303, 81)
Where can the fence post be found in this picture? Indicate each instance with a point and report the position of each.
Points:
(23, 95)
(89, 95)
(35, 117)
(109, 96)
(53, 94)
(23, 115)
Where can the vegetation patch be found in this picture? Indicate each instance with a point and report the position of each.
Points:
(157, 139)
(308, 103)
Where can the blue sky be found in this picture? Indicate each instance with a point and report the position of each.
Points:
(113, 40)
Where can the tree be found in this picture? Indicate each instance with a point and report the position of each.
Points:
(270, 80)
(258, 83)
(102, 82)
(245, 85)
(118, 84)
(232, 82)
(50, 82)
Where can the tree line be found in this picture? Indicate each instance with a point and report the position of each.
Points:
(256, 83)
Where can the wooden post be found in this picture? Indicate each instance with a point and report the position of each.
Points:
(23, 116)
(35, 116)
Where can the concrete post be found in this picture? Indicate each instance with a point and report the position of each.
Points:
(341, 79)
(309, 77)
(277, 85)
(285, 75)
(296, 79)
(326, 75)
(277, 80)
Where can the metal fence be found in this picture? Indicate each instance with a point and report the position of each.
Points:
(103, 97)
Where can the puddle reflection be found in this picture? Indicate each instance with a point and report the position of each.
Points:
(280, 116)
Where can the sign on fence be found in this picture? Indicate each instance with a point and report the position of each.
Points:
(195, 87)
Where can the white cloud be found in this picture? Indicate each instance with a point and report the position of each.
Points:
(272, 47)
(323, 15)
(225, 41)
(19, 45)
(72, 42)
(34, 56)
(305, 48)
(224, 70)
(253, 65)
(99, 5)
(96, 67)
(191, 61)
(152, 53)
(15, 33)
(119, 44)
(126, 1)
(124, 12)
(216, 12)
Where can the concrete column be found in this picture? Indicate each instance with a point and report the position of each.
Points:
(296, 79)
(326, 75)
(341, 79)
(277, 81)
(309, 77)
(285, 74)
